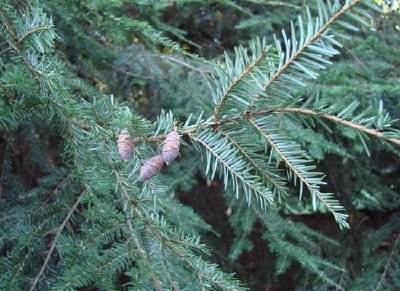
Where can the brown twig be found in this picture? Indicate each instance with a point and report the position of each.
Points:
(22, 38)
(387, 265)
(360, 127)
(81, 125)
(248, 114)
(3, 168)
(53, 245)
(8, 25)
(129, 73)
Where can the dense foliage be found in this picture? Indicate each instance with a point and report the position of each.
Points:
(199, 145)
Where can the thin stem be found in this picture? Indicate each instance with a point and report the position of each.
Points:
(28, 33)
(55, 191)
(3, 168)
(128, 73)
(280, 154)
(248, 114)
(177, 252)
(10, 29)
(387, 265)
(334, 118)
(83, 126)
(140, 248)
(53, 245)
(185, 64)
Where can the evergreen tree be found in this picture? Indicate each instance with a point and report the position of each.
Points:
(91, 186)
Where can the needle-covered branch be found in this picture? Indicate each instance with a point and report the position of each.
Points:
(294, 159)
(302, 57)
(54, 243)
(348, 123)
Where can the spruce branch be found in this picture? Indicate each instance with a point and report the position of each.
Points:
(225, 155)
(10, 29)
(300, 50)
(140, 248)
(359, 127)
(276, 185)
(293, 161)
(32, 31)
(53, 244)
(279, 234)
(135, 237)
(111, 259)
(265, 112)
(54, 192)
(185, 247)
(246, 71)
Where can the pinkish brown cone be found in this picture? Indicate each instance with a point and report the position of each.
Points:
(171, 147)
(125, 145)
(151, 168)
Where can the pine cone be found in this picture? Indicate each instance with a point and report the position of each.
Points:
(171, 147)
(125, 145)
(151, 168)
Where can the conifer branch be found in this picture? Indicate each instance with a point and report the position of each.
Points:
(332, 205)
(360, 127)
(122, 232)
(279, 236)
(301, 49)
(254, 163)
(10, 29)
(83, 126)
(248, 114)
(105, 264)
(54, 192)
(134, 236)
(53, 245)
(235, 82)
(203, 269)
(28, 33)
(140, 248)
(280, 154)
(237, 169)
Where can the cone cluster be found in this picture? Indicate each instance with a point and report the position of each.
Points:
(154, 165)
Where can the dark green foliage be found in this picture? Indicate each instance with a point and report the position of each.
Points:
(286, 133)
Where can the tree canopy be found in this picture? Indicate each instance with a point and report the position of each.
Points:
(199, 145)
